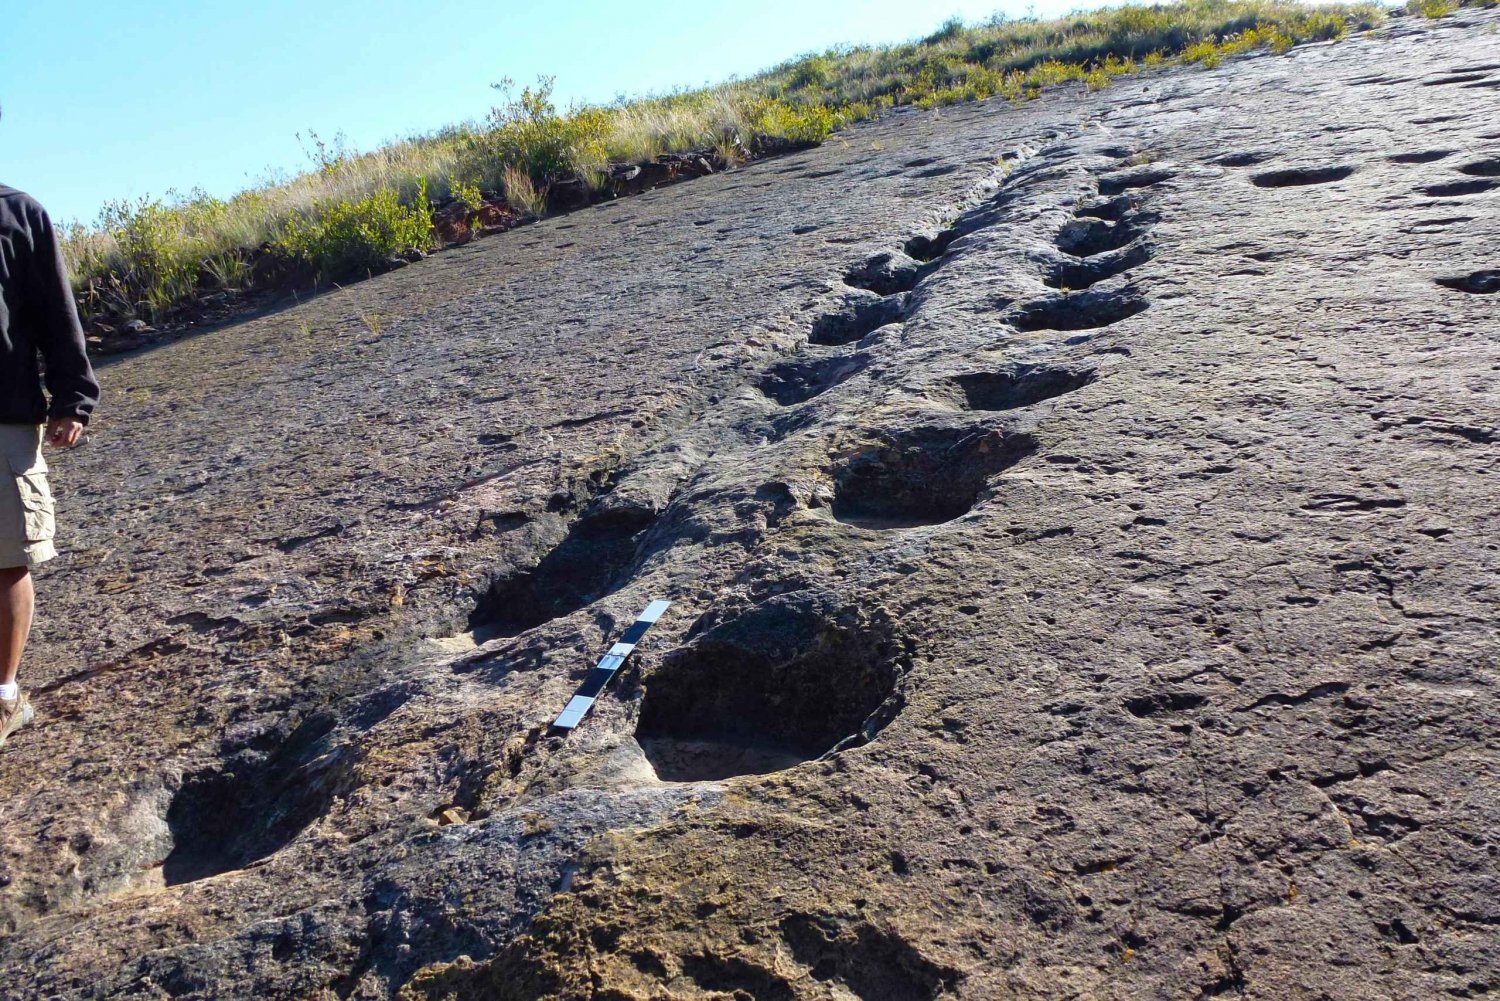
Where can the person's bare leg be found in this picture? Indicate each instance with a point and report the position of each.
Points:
(17, 599)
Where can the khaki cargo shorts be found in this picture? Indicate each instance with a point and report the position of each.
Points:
(26, 524)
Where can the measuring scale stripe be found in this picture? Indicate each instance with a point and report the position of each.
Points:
(583, 700)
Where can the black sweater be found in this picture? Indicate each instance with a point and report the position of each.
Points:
(37, 317)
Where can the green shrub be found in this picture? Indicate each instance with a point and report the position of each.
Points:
(346, 239)
(148, 254)
(779, 120)
(156, 260)
(528, 133)
(812, 72)
(468, 195)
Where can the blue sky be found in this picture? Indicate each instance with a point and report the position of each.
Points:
(109, 99)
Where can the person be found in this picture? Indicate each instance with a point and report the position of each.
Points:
(39, 332)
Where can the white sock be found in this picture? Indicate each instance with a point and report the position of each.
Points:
(10, 692)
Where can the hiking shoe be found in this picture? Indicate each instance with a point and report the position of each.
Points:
(14, 714)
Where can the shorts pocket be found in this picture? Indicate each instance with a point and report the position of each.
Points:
(36, 497)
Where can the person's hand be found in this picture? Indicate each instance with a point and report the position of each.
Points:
(63, 432)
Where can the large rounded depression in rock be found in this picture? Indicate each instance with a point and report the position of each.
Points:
(924, 476)
(781, 684)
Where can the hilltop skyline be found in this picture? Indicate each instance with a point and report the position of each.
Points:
(84, 125)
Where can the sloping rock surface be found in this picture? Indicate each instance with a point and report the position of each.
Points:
(1080, 521)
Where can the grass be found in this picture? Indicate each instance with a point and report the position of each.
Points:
(1435, 9)
(521, 192)
(353, 211)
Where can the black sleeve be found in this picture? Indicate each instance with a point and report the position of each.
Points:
(70, 377)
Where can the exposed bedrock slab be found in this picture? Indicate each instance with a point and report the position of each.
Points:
(1080, 524)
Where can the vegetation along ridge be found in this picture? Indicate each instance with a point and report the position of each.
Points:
(177, 260)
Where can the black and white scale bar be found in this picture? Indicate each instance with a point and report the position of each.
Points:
(583, 700)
